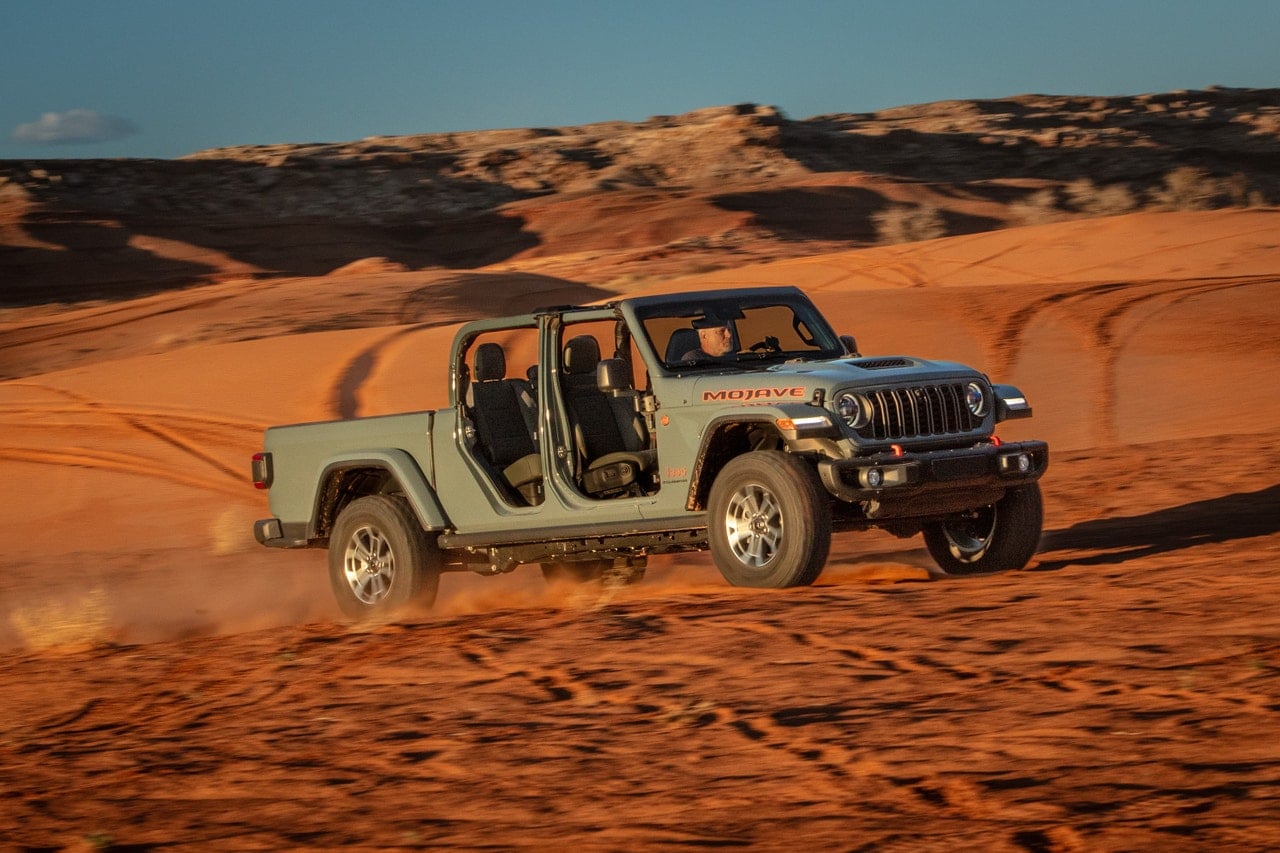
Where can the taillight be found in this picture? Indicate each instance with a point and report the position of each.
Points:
(262, 472)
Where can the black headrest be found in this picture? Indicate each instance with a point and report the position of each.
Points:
(491, 362)
(682, 341)
(581, 355)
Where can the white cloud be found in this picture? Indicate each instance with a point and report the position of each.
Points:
(73, 126)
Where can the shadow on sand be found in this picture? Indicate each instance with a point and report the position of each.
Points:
(1239, 516)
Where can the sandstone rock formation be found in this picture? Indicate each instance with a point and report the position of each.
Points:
(678, 193)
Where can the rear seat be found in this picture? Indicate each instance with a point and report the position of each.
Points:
(505, 422)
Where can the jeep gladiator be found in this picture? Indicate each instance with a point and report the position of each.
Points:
(732, 420)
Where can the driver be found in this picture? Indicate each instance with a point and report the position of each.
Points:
(715, 339)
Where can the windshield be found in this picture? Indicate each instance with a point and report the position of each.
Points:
(737, 332)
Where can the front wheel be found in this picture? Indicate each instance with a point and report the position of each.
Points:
(379, 559)
(769, 521)
(996, 538)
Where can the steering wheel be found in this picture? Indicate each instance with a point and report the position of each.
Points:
(769, 344)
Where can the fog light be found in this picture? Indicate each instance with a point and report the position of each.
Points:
(1016, 463)
(875, 478)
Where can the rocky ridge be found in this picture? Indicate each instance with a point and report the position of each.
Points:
(738, 174)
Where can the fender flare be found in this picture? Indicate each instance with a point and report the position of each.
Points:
(402, 467)
(786, 421)
(699, 484)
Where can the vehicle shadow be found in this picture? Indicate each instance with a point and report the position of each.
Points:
(1239, 516)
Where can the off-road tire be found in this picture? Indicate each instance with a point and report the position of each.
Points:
(769, 521)
(997, 538)
(380, 559)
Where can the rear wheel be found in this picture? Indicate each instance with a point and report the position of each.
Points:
(995, 538)
(379, 558)
(769, 521)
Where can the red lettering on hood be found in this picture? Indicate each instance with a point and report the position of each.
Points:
(743, 395)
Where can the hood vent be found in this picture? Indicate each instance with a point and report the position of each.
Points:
(881, 363)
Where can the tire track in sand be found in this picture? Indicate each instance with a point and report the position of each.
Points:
(91, 320)
(122, 463)
(686, 713)
(1115, 301)
(183, 416)
(149, 423)
(345, 400)
(810, 741)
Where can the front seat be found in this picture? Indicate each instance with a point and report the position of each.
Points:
(611, 464)
(683, 341)
(500, 420)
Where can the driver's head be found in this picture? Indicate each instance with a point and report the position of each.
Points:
(714, 336)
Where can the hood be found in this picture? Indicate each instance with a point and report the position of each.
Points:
(873, 370)
(797, 382)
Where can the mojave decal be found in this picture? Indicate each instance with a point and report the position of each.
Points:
(742, 395)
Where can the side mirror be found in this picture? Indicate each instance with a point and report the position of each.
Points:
(612, 376)
(850, 345)
(1010, 403)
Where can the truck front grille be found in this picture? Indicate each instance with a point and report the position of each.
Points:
(921, 411)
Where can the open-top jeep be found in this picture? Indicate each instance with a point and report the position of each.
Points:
(734, 420)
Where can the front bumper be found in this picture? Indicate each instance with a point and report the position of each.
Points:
(934, 482)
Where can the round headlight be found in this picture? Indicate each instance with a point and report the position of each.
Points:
(976, 399)
(853, 410)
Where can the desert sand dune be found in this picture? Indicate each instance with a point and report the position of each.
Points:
(165, 682)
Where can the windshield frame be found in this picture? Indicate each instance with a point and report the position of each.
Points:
(657, 318)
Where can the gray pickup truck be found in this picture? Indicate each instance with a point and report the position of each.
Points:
(585, 438)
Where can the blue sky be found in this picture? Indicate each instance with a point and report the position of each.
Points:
(163, 78)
